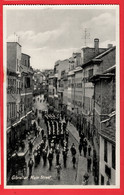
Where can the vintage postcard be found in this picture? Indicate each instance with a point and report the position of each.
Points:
(61, 96)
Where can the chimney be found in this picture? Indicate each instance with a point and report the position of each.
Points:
(110, 45)
(96, 45)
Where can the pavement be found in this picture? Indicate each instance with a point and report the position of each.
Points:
(82, 161)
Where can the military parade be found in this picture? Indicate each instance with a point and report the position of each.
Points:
(52, 148)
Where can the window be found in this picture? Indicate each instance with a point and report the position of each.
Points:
(27, 81)
(105, 151)
(14, 110)
(113, 157)
(11, 110)
(90, 72)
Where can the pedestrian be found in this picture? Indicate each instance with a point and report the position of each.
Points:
(23, 145)
(85, 179)
(89, 164)
(58, 168)
(52, 145)
(57, 158)
(64, 157)
(44, 157)
(80, 148)
(73, 150)
(67, 136)
(38, 154)
(82, 135)
(42, 145)
(30, 166)
(81, 141)
(38, 120)
(35, 157)
(42, 132)
(85, 150)
(66, 120)
(85, 142)
(50, 158)
(30, 147)
(94, 166)
(74, 161)
(89, 150)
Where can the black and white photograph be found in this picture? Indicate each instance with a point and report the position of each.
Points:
(61, 96)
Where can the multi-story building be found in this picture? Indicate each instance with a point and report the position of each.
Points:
(39, 82)
(51, 89)
(77, 59)
(19, 93)
(11, 108)
(88, 53)
(61, 69)
(90, 63)
(71, 95)
(13, 93)
(104, 97)
(77, 109)
(55, 83)
(104, 119)
(26, 91)
(75, 95)
(46, 73)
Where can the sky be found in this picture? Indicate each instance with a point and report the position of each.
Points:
(53, 33)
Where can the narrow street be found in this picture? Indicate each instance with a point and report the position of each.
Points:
(41, 174)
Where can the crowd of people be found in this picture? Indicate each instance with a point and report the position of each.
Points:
(55, 144)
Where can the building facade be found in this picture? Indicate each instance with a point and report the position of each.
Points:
(13, 94)
(104, 106)
(26, 91)
(19, 95)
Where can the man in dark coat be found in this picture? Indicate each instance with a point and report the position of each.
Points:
(80, 148)
(50, 158)
(38, 120)
(57, 158)
(73, 150)
(89, 150)
(30, 166)
(74, 161)
(85, 150)
(44, 157)
(89, 164)
(64, 156)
